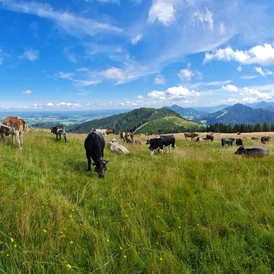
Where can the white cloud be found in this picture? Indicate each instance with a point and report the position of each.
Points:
(263, 55)
(74, 25)
(136, 39)
(114, 74)
(140, 97)
(257, 95)
(263, 72)
(26, 92)
(163, 11)
(239, 68)
(157, 95)
(65, 75)
(206, 19)
(231, 88)
(185, 74)
(178, 93)
(31, 55)
(159, 79)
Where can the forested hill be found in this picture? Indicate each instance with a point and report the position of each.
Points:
(128, 121)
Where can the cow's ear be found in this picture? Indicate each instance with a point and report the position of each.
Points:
(106, 161)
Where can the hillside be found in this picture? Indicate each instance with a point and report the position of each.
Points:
(168, 125)
(132, 120)
(238, 114)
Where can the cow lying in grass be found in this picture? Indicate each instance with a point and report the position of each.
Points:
(114, 146)
(256, 152)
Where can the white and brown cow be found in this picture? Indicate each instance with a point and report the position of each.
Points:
(127, 136)
(14, 125)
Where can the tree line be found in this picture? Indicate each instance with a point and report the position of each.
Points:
(226, 128)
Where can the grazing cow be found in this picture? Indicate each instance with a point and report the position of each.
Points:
(265, 139)
(109, 131)
(100, 130)
(58, 131)
(239, 142)
(258, 152)
(209, 137)
(114, 146)
(14, 125)
(127, 136)
(228, 141)
(190, 135)
(94, 145)
(160, 142)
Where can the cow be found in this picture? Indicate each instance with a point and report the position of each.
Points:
(103, 131)
(160, 142)
(265, 139)
(114, 146)
(14, 125)
(94, 145)
(228, 141)
(200, 139)
(257, 152)
(239, 142)
(190, 135)
(127, 136)
(109, 131)
(209, 137)
(58, 131)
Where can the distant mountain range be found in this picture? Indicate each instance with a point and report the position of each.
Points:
(237, 114)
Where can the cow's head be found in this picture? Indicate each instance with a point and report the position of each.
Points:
(101, 167)
(240, 150)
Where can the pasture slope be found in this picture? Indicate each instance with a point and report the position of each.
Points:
(200, 209)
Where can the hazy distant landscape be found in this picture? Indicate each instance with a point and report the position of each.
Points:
(41, 118)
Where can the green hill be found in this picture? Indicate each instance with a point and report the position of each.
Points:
(153, 120)
(168, 125)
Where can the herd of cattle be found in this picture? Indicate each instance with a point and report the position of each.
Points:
(94, 143)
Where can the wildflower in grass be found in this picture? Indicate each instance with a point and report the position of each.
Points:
(70, 216)
(69, 266)
(121, 248)
(12, 240)
(107, 240)
(161, 258)
(125, 256)
(45, 231)
(15, 245)
(8, 255)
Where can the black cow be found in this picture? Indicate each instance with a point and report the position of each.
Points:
(228, 141)
(209, 137)
(239, 142)
(94, 145)
(258, 152)
(58, 131)
(265, 139)
(160, 142)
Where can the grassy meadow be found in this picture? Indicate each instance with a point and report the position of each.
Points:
(199, 209)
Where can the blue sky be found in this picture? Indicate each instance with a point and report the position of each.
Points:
(98, 54)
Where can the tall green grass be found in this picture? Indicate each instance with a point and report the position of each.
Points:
(199, 209)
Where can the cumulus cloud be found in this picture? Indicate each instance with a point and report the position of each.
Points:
(114, 74)
(155, 94)
(65, 75)
(159, 79)
(231, 88)
(163, 11)
(261, 54)
(256, 94)
(178, 93)
(31, 55)
(185, 74)
(26, 92)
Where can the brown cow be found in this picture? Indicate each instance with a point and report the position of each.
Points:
(15, 126)
(127, 136)
(190, 135)
(109, 131)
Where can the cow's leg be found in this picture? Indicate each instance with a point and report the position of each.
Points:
(17, 133)
(89, 163)
(21, 140)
